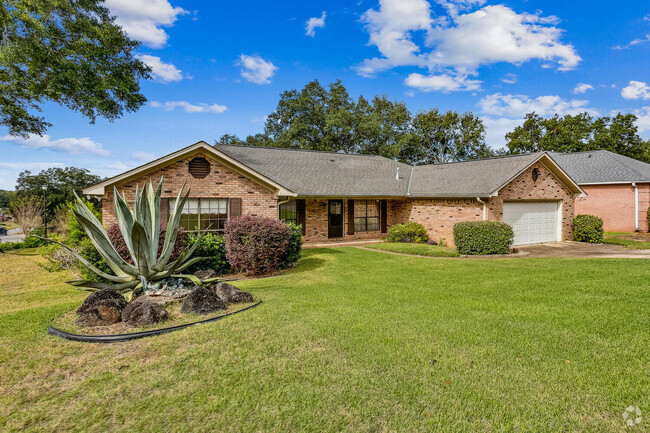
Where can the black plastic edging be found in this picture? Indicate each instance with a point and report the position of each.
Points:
(116, 338)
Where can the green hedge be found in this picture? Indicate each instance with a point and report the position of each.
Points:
(212, 246)
(407, 233)
(483, 237)
(588, 228)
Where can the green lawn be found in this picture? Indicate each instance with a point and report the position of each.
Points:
(416, 249)
(635, 241)
(350, 340)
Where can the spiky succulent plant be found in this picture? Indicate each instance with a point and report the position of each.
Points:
(140, 229)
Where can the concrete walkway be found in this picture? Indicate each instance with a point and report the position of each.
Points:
(580, 249)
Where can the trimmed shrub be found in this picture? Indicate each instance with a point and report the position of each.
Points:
(211, 246)
(483, 237)
(588, 228)
(256, 245)
(411, 232)
(295, 245)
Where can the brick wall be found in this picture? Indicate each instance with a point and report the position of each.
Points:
(438, 216)
(547, 187)
(220, 182)
(615, 205)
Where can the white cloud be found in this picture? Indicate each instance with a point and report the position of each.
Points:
(633, 43)
(459, 43)
(442, 83)
(259, 119)
(67, 145)
(497, 128)
(519, 105)
(143, 156)
(582, 88)
(509, 78)
(256, 70)
(9, 171)
(190, 108)
(636, 90)
(143, 19)
(643, 120)
(314, 23)
(165, 72)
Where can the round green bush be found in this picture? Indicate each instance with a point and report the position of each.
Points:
(588, 228)
(483, 237)
(407, 233)
(212, 246)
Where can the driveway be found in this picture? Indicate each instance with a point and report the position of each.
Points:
(579, 249)
(13, 235)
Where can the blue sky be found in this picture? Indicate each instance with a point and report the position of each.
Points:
(220, 66)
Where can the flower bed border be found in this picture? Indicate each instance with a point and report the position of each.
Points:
(117, 338)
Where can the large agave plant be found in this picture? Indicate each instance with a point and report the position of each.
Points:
(140, 228)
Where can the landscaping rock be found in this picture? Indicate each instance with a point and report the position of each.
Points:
(202, 301)
(230, 294)
(432, 242)
(142, 313)
(101, 308)
(206, 274)
(95, 297)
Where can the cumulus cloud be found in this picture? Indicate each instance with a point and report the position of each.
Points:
(189, 108)
(509, 78)
(497, 128)
(582, 88)
(636, 90)
(633, 43)
(643, 120)
(519, 105)
(459, 42)
(442, 83)
(66, 145)
(256, 70)
(141, 155)
(143, 19)
(314, 23)
(164, 72)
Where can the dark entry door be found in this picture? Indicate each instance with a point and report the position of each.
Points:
(335, 219)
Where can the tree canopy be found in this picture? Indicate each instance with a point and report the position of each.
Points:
(577, 133)
(68, 52)
(319, 118)
(61, 185)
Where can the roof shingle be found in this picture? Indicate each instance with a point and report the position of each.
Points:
(602, 166)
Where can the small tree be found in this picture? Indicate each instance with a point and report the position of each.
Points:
(27, 213)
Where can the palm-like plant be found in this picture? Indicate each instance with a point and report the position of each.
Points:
(140, 228)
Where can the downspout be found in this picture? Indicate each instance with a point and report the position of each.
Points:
(636, 206)
(478, 199)
(280, 203)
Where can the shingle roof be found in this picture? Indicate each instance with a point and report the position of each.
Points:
(312, 173)
(479, 177)
(602, 166)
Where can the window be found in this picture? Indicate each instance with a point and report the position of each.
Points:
(289, 212)
(203, 213)
(366, 215)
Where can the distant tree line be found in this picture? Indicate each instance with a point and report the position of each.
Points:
(319, 118)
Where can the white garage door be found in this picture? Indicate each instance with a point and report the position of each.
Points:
(532, 221)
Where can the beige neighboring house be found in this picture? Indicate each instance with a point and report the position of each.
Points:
(343, 197)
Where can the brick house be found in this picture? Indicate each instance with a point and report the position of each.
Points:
(617, 187)
(337, 196)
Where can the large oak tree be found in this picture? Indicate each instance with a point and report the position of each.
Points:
(69, 52)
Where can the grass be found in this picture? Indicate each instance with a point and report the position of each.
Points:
(635, 241)
(350, 340)
(416, 249)
(9, 225)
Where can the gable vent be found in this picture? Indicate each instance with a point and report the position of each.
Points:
(199, 167)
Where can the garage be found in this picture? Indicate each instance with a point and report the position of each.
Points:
(533, 221)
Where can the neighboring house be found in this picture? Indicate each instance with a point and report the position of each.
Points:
(337, 196)
(617, 187)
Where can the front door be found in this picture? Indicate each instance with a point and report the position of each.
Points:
(335, 219)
